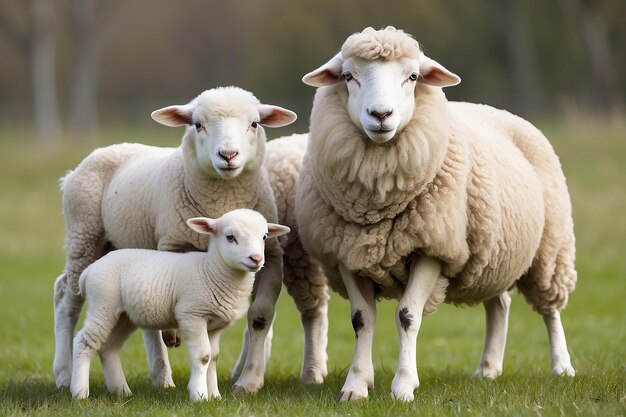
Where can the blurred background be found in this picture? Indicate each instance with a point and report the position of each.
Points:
(73, 67)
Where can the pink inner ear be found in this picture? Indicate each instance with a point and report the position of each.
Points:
(324, 77)
(275, 117)
(176, 116)
(203, 225)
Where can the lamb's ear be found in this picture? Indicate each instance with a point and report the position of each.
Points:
(174, 115)
(203, 225)
(274, 230)
(433, 73)
(327, 74)
(274, 116)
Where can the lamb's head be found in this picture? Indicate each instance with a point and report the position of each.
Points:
(225, 133)
(238, 237)
(381, 69)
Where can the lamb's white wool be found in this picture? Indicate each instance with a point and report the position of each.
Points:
(405, 195)
(200, 293)
(137, 196)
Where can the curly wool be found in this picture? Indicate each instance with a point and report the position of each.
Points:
(477, 188)
(371, 44)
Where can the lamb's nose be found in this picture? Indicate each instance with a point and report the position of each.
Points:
(380, 115)
(256, 259)
(228, 155)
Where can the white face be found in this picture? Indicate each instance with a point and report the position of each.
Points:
(381, 95)
(224, 145)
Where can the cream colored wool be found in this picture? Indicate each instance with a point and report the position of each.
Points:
(477, 188)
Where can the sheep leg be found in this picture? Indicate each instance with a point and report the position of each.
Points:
(363, 312)
(315, 325)
(423, 276)
(158, 360)
(241, 360)
(67, 308)
(497, 320)
(110, 358)
(267, 286)
(194, 332)
(214, 341)
(559, 356)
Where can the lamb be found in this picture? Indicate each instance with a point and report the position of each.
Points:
(199, 293)
(405, 195)
(137, 196)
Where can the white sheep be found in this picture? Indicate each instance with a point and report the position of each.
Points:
(137, 196)
(405, 195)
(199, 293)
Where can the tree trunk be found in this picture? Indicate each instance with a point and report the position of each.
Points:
(522, 58)
(84, 77)
(43, 71)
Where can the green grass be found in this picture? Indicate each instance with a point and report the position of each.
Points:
(593, 155)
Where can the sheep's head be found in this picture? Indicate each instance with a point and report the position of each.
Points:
(239, 237)
(381, 69)
(225, 125)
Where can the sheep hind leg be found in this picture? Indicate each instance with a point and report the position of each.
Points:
(67, 308)
(110, 357)
(158, 359)
(315, 325)
(559, 355)
(497, 323)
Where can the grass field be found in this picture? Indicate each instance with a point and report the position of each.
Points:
(450, 342)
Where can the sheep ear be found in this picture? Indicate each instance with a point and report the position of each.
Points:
(274, 116)
(174, 115)
(274, 230)
(433, 73)
(203, 225)
(327, 74)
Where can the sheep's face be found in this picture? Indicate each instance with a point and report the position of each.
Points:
(381, 92)
(225, 128)
(239, 237)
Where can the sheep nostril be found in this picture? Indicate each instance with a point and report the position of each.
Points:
(256, 259)
(380, 115)
(228, 155)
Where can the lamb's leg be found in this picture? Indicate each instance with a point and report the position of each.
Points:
(559, 356)
(213, 389)
(158, 360)
(363, 312)
(67, 308)
(423, 276)
(110, 358)
(497, 320)
(87, 342)
(268, 283)
(194, 331)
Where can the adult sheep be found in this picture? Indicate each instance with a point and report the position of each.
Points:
(405, 195)
(137, 196)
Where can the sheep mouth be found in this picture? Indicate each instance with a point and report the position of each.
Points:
(251, 268)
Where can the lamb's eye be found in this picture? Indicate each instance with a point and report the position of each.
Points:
(198, 125)
(231, 238)
(254, 125)
(413, 77)
(265, 236)
(348, 76)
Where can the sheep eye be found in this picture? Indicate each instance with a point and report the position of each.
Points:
(348, 76)
(413, 77)
(198, 125)
(231, 238)
(265, 236)
(254, 124)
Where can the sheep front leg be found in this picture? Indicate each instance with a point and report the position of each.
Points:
(315, 325)
(267, 288)
(423, 276)
(497, 323)
(194, 332)
(214, 340)
(363, 312)
(559, 356)
(67, 308)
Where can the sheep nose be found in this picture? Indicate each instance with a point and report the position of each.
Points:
(256, 259)
(228, 155)
(380, 115)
